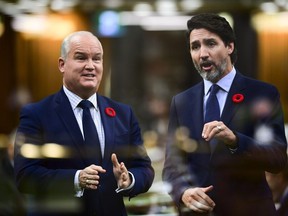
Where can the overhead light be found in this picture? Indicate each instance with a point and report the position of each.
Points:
(108, 24)
(32, 6)
(191, 5)
(271, 22)
(281, 3)
(112, 3)
(166, 7)
(60, 5)
(269, 7)
(143, 9)
(154, 22)
(32, 24)
(50, 26)
(164, 23)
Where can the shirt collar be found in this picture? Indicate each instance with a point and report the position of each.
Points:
(75, 99)
(225, 83)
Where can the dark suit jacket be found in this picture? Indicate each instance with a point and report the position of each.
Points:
(239, 181)
(51, 180)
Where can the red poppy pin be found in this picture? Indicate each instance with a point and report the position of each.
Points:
(110, 112)
(237, 98)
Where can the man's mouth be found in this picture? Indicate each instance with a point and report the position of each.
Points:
(89, 75)
(206, 66)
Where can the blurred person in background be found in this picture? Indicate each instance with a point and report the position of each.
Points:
(94, 172)
(11, 201)
(223, 139)
(278, 184)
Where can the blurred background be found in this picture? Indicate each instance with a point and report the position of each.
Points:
(146, 59)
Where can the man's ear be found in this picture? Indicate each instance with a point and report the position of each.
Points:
(230, 47)
(61, 63)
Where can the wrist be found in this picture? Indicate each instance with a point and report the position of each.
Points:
(233, 144)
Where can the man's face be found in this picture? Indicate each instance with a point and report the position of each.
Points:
(210, 55)
(83, 68)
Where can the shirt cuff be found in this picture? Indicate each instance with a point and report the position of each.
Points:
(78, 190)
(118, 190)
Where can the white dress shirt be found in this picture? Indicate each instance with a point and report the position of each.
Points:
(95, 113)
(224, 84)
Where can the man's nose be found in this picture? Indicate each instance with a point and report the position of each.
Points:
(204, 53)
(89, 64)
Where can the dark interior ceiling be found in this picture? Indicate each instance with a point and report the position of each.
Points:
(27, 6)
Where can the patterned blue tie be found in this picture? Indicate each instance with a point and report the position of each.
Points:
(212, 105)
(91, 138)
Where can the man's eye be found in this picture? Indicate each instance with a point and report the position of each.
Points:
(211, 44)
(79, 57)
(195, 47)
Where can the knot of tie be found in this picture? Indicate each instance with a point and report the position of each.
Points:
(214, 89)
(84, 104)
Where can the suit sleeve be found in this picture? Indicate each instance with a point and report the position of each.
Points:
(265, 144)
(31, 173)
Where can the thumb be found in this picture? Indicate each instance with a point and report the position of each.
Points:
(208, 189)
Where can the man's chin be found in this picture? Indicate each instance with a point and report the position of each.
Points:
(210, 76)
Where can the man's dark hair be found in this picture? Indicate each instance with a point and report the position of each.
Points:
(216, 24)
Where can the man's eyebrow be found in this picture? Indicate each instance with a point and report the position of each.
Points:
(195, 42)
(79, 53)
(209, 39)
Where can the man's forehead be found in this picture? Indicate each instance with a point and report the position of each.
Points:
(85, 47)
(203, 34)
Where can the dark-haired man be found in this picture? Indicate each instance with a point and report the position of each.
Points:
(224, 132)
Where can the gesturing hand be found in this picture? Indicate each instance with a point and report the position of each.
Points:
(120, 172)
(220, 131)
(89, 177)
(197, 200)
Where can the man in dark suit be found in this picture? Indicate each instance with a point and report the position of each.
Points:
(278, 184)
(221, 142)
(56, 161)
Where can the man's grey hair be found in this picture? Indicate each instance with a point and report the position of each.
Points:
(65, 47)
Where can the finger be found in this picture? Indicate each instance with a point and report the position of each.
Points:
(123, 167)
(208, 189)
(200, 207)
(115, 160)
(207, 128)
(91, 186)
(124, 176)
(93, 169)
(91, 182)
(205, 198)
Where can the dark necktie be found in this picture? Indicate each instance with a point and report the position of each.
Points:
(91, 138)
(212, 111)
(212, 105)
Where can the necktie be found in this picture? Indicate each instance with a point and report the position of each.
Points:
(91, 138)
(212, 105)
(212, 111)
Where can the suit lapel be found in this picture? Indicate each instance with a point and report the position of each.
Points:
(66, 114)
(108, 125)
(197, 111)
(230, 107)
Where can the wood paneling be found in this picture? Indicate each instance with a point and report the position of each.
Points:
(273, 62)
